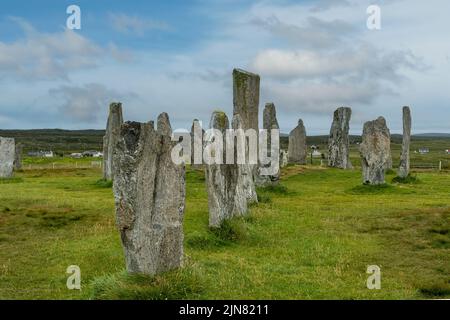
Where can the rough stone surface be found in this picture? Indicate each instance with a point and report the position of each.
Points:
(297, 149)
(403, 170)
(149, 191)
(269, 122)
(7, 156)
(224, 182)
(246, 87)
(18, 156)
(246, 98)
(196, 140)
(283, 158)
(245, 174)
(375, 151)
(338, 142)
(115, 120)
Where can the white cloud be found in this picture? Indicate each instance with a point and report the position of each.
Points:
(84, 103)
(135, 25)
(42, 56)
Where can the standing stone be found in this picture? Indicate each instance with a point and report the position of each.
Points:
(226, 197)
(18, 157)
(403, 170)
(269, 122)
(149, 191)
(338, 142)
(246, 102)
(297, 149)
(115, 120)
(246, 98)
(245, 174)
(283, 158)
(7, 155)
(197, 140)
(375, 151)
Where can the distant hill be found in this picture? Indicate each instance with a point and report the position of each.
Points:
(433, 135)
(67, 141)
(63, 141)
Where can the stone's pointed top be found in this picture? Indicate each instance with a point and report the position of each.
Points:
(300, 123)
(270, 106)
(342, 110)
(219, 120)
(381, 120)
(163, 125)
(244, 72)
(115, 106)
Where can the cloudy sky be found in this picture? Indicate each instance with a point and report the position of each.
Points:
(178, 56)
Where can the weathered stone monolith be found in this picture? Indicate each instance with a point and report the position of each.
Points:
(197, 133)
(269, 122)
(403, 169)
(149, 192)
(375, 151)
(7, 155)
(297, 149)
(115, 120)
(283, 158)
(338, 142)
(246, 102)
(226, 197)
(245, 175)
(246, 98)
(18, 157)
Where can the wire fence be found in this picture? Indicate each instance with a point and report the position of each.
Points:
(59, 166)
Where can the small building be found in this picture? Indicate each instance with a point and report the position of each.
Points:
(76, 155)
(424, 150)
(92, 154)
(41, 154)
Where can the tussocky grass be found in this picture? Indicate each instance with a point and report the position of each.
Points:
(311, 238)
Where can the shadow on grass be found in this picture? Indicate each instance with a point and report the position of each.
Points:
(11, 180)
(231, 231)
(103, 183)
(378, 189)
(184, 283)
(436, 290)
(265, 194)
(408, 180)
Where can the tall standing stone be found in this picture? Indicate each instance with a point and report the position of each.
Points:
(375, 151)
(115, 120)
(246, 86)
(226, 197)
(269, 122)
(245, 175)
(18, 157)
(338, 142)
(297, 150)
(246, 98)
(149, 191)
(197, 142)
(403, 170)
(7, 156)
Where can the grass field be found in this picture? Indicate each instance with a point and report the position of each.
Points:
(311, 238)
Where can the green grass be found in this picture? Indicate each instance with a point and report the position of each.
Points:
(312, 237)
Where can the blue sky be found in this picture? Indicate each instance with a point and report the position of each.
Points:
(177, 57)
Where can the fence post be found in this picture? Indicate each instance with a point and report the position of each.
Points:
(440, 165)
